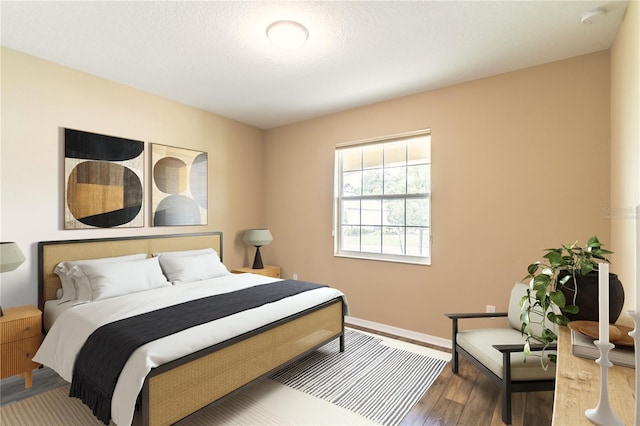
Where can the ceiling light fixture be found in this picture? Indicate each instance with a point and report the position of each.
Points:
(588, 17)
(287, 34)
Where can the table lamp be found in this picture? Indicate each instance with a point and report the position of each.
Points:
(10, 258)
(257, 238)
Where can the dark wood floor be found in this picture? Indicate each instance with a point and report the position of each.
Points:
(12, 389)
(471, 398)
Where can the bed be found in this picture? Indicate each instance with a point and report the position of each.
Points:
(174, 377)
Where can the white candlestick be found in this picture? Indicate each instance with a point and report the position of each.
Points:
(603, 295)
(602, 415)
(636, 340)
(638, 259)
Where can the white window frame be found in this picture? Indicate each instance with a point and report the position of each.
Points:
(339, 198)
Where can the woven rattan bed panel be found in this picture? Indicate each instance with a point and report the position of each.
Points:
(174, 394)
(50, 253)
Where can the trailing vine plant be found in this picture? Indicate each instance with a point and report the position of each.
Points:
(545, 303)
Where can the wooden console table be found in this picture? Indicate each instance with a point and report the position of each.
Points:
(578, 387)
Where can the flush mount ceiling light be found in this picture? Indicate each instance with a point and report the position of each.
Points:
(591, 15)
(287, 34)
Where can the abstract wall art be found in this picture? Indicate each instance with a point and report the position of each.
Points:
(104, 178)
(179, 194)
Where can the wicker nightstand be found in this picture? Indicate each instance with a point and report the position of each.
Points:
(20, 338)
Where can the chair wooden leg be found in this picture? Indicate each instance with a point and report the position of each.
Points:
(506, 405)
(454, 352)
(506, 388)
(454, 360)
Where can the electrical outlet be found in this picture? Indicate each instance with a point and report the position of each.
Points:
(490, 308)
(295, 276)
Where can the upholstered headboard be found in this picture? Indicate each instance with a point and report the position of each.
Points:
(50, 253)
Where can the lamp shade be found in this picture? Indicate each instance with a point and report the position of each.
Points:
(10, 257)
(257, 237)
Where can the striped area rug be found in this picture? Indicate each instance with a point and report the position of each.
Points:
(379, 382)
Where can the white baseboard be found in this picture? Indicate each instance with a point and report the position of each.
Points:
(401, 332)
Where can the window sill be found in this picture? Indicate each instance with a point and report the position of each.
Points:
(368, 256)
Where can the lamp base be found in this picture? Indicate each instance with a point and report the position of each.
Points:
(257, 261)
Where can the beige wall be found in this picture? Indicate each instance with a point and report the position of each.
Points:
(625, 151)
(39, 98)
(520, 163)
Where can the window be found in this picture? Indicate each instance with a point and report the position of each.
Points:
(383, 199)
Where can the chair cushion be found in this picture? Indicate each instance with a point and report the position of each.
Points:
(479, 343)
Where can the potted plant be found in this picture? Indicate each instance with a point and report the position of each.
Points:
(552, 297)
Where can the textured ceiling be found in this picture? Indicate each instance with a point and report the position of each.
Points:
(215, 56)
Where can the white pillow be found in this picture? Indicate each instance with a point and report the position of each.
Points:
(63, 270)
(192, 268)
(115, 279)
(183, 253)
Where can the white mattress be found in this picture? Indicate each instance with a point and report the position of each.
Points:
(52, 310)
(75, 323)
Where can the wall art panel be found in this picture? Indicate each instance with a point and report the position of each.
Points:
(179, 194)
(104, 178)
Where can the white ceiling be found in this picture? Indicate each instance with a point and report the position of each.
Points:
(215, 56)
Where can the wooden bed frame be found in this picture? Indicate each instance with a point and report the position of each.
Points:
(179, 388)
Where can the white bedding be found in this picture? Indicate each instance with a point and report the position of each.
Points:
(75, 323)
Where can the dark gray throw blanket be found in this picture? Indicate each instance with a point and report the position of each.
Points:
(106, 351)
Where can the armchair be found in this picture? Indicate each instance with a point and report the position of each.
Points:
(498, 353)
